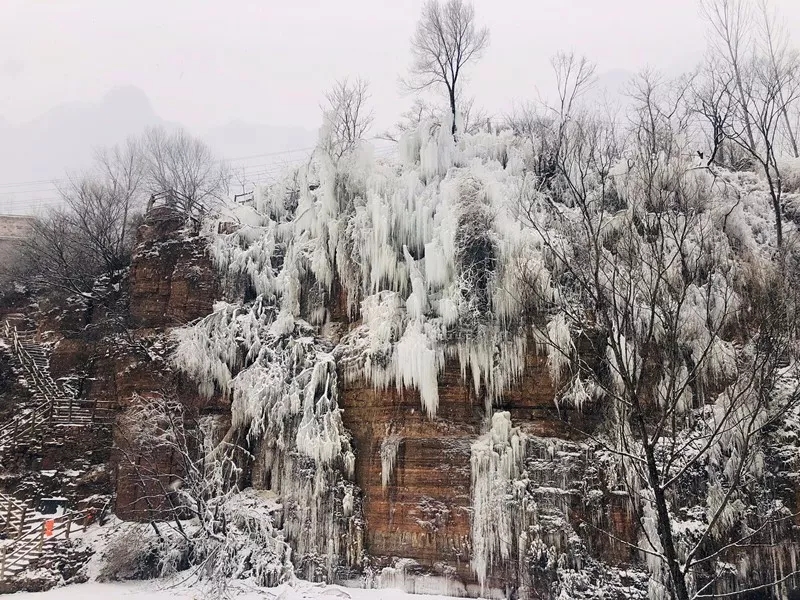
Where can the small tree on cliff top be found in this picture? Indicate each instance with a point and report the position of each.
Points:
(347, 115)
(178, 162)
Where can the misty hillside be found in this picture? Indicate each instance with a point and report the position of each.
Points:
(64, 138)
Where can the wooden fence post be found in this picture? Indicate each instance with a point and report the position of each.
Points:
(2, 562)
(69, 523)
(41, 538)
(22, 520)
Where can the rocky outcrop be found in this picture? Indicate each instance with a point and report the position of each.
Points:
(416, 510)
(110, 348)
(171, 281)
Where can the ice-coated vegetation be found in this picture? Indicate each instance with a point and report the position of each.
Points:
(636, 280)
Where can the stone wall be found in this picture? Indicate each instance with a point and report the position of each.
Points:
(15, 226)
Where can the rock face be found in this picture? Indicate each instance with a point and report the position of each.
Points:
(422, 509)
(172, 280)
(414, 472)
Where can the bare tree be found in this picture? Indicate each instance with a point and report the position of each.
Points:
(99, 217)
(122, 170)
(446, 40)
(768, 96)
(184, 165)
(545, 125)
(53, 256)
(712, 100)
(347, 115)
(92, 233)
(782, 62)
(163, 454)
(765, 84)
(691, 355)
(730, 22)
(180, 472)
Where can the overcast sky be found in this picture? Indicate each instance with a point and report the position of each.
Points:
(204, 63)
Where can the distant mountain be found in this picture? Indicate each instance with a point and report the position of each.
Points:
(64, 138)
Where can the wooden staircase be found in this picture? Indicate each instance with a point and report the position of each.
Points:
(54, 407)
(29, 537)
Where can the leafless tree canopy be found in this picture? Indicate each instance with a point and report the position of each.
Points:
(93, 232)
(445, 41)
(184, 164)
(347, 115)
(546, 124)
(749, 92)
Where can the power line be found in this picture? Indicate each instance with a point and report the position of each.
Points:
(230, 161)
(16, 200)
(41, 181)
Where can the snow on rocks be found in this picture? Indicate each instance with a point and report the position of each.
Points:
(427, 259)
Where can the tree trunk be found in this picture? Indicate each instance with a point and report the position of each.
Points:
(776, 205)
(452, 93)
(775, 192)
(789, 132)
(745, 111)
(663, 524)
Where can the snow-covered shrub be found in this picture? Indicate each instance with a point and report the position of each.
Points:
(250, 547)
(136, 551)
(789, 168)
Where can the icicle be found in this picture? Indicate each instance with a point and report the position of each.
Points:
(498, 505)
(389, 449)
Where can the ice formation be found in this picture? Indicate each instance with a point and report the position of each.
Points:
(499, 503)
(429, 259)
(389, 449)
(283, 385)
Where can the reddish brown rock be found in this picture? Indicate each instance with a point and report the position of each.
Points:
(172, 280)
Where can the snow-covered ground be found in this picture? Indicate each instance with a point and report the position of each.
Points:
(175, 590)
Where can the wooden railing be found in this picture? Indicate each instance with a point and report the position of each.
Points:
(179, 201)
(14, 515)
(52, 406)
(30, 546)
